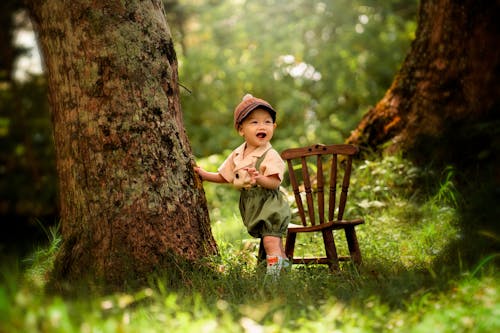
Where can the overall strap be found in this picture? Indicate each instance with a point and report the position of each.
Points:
(260, 159)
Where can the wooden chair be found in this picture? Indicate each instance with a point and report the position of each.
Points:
(306, 169)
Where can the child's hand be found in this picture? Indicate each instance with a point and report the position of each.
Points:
(199, 171)
(269, 182)
(254, 175)
(214, 177)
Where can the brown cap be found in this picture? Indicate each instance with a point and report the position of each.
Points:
(247, 105)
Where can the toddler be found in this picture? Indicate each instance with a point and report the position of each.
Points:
(256, 169)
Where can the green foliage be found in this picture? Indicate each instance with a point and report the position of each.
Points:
(322, 64)
(402, 286)
(392, 196)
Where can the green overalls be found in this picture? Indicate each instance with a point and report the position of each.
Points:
(264, 212)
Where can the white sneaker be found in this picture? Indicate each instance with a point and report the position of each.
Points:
(274, 264)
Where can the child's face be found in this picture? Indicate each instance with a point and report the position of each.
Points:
(257, 128)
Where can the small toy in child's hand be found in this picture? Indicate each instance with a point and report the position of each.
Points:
(253, 174)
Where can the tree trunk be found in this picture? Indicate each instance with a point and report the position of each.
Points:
(129, 197)
(447, 90)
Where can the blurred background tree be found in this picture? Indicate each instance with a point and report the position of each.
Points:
(322, 64)
(27, 168)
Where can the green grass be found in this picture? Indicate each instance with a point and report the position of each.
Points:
(409, 282)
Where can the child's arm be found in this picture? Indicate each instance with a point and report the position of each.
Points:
(270, 182)
(213, 177)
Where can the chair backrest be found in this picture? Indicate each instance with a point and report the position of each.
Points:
(306, 181)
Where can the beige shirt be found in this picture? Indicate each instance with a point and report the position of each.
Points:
(232, 169)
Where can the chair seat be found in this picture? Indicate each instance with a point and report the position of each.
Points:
(332, 225)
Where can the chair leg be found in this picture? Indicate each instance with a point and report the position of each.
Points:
(352, 243)
(290, 245)
(331, 250)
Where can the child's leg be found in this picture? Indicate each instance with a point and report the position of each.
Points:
(273, 246)
(275, 254)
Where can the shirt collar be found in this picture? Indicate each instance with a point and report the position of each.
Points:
(256, 153)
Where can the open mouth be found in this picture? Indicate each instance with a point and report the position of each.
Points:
(261, 135)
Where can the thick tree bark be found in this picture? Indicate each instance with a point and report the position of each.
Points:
(447, 89)
(129, 197)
